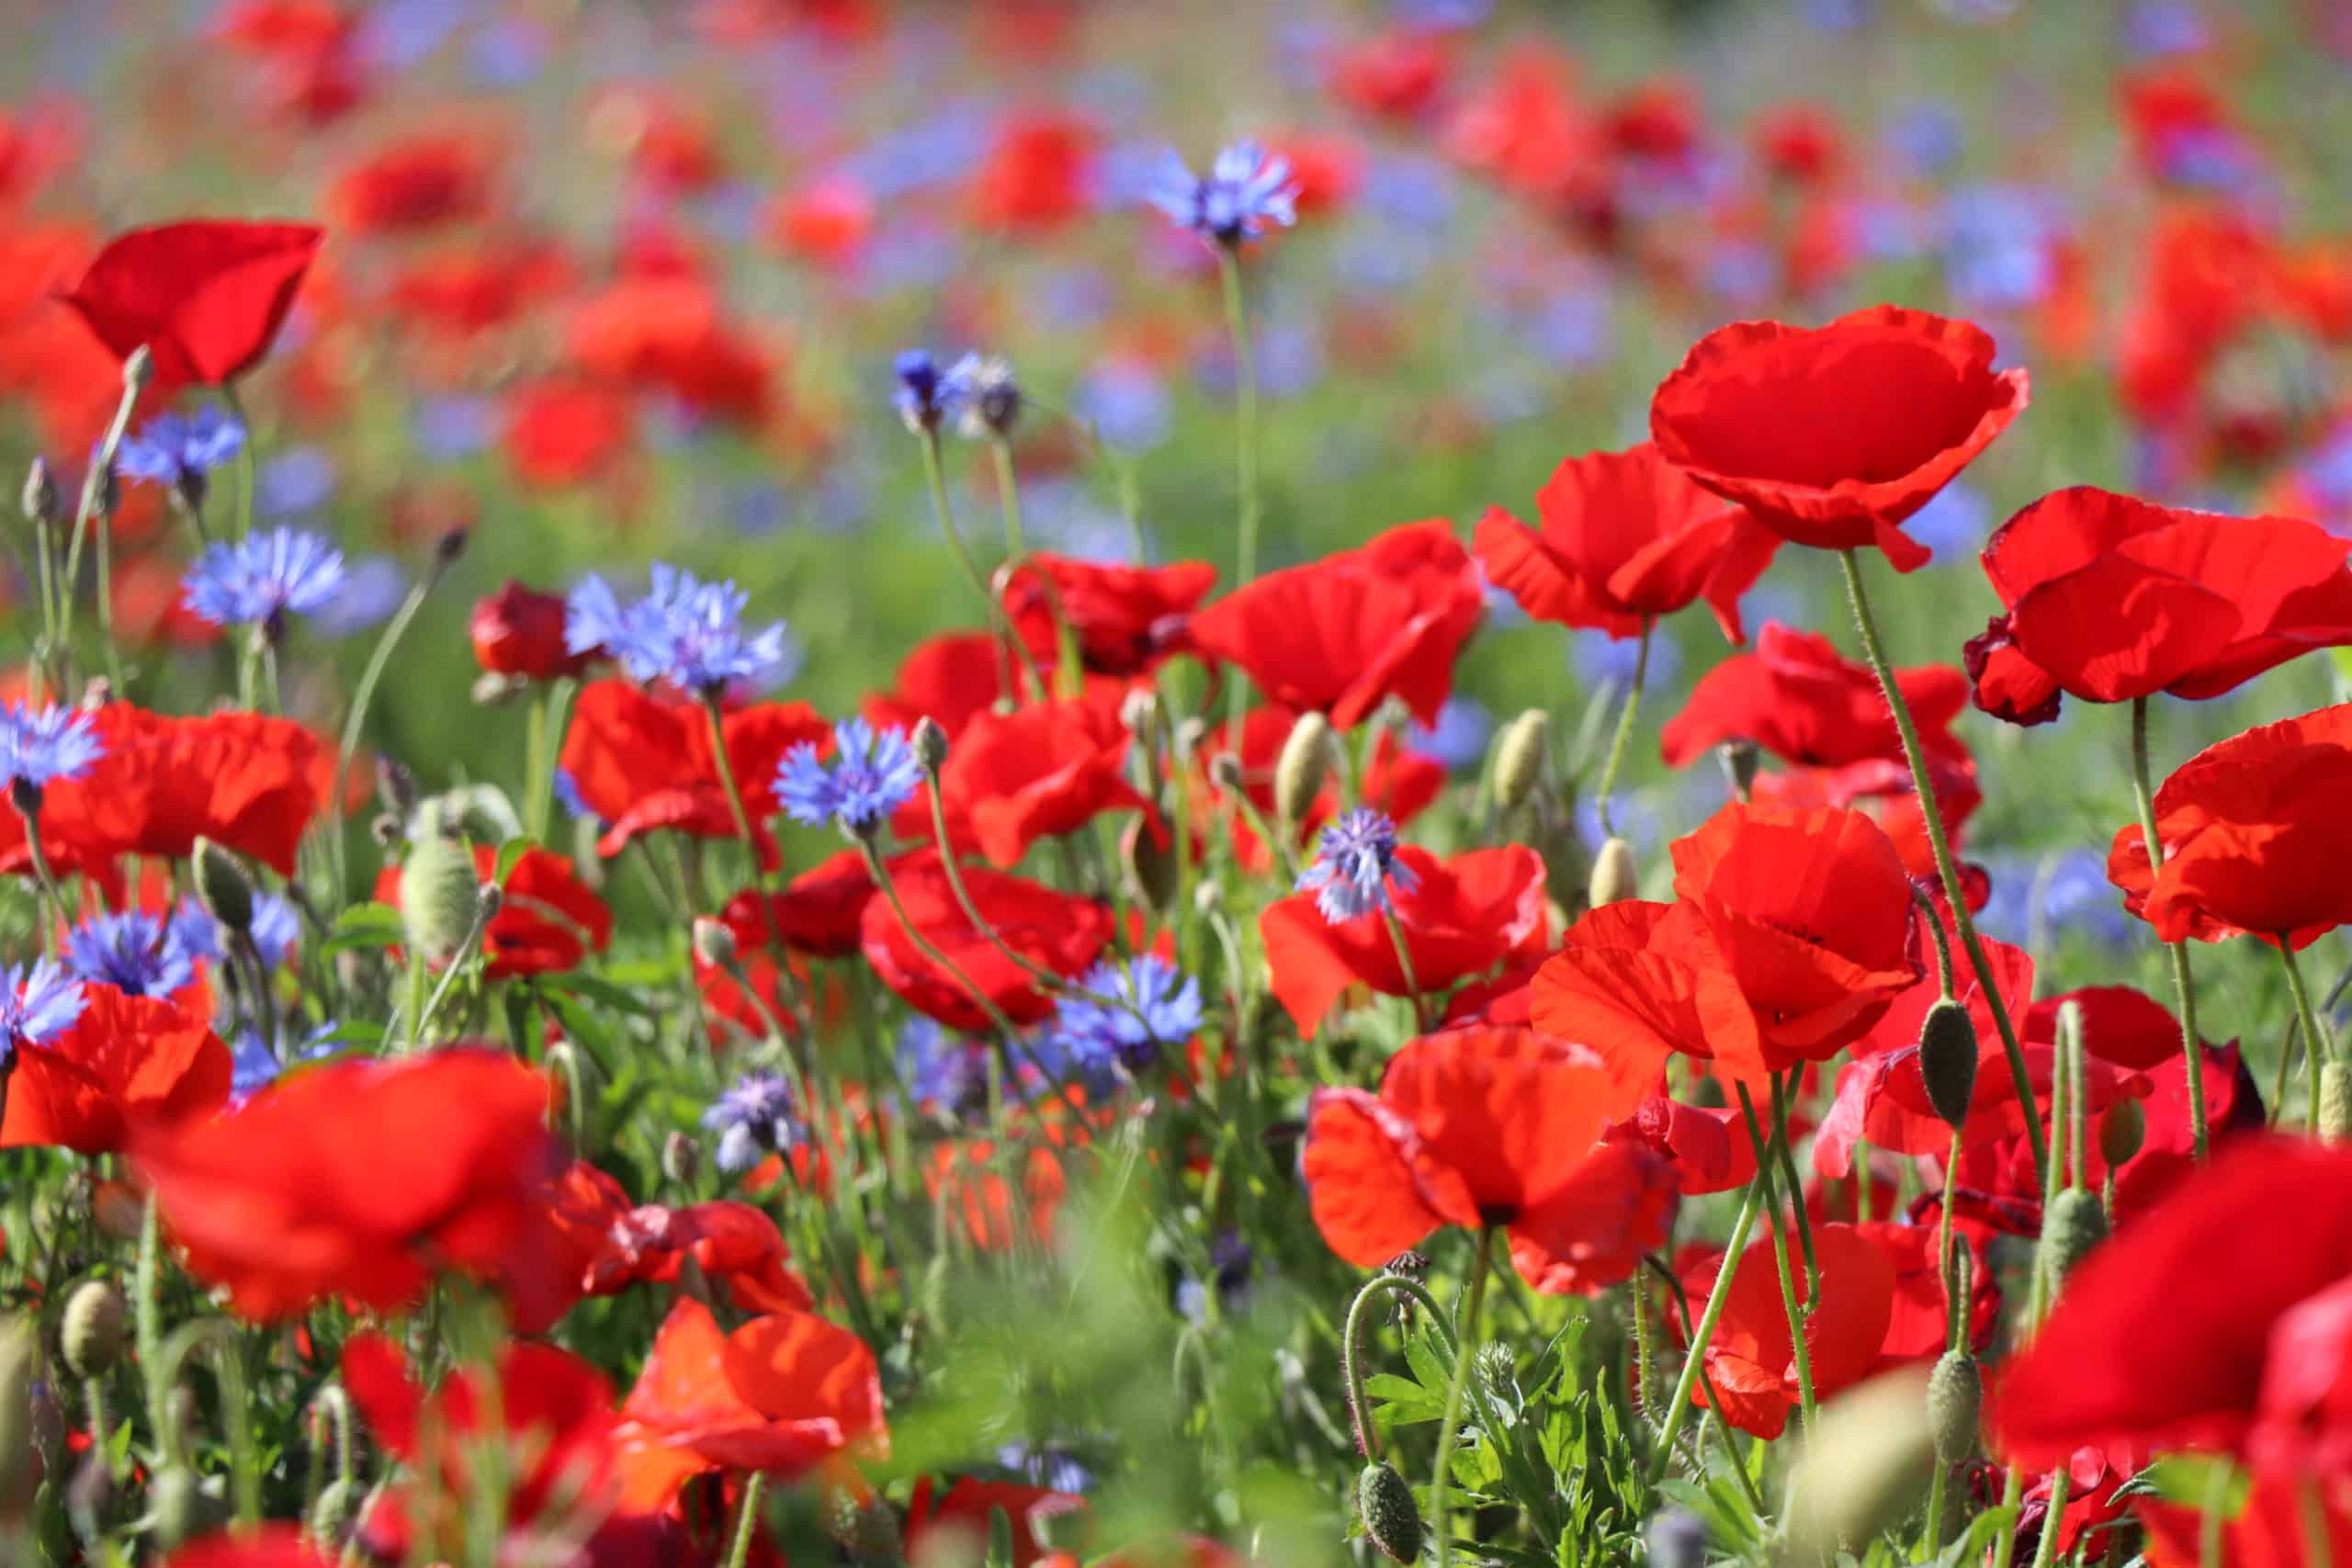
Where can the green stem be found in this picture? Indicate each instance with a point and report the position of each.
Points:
(1008, 486)
(1465, 1350)
(747, 1520)
(94, 503)
(2314, 1042)
(1405, 968)
(2004, 1541)
(2045, 1553)
(1679, 1406)
(1932, 813)
(2184, 989)
(1798, 1350)
(935, 472)
(1617, 742)
(1245, 455)
(358, 717)
(1783, 1092)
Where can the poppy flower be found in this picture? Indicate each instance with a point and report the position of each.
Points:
(781, 1394)
(966, 1178)
(1036, 772)
(1708, 1144)
(1884, 789)
(1396, 73)
(127, 1062)
(1397, 782)
(420, 182)
(2252, 830)
(949, 679)
(364, 1179)
(1797, 697)
(820, 912)
(1623, 538)
(961, 1515)
(1751, 1360)
(2272, 1529)
(204, 298)
(1056, 930)
(1035, 173)
(548, 922)
(1918, 1320)
(611, 1243)
(2108, 599)
(1479, 1127)
(1833, 436)
(518, 631)
(561, 432)
(1637, 982)
(270, 1546)
(1459, 917)
(826, 222)
(642, 762)
(1342, 634)
(2212, 1322)
(1128, 619)
(671, 333)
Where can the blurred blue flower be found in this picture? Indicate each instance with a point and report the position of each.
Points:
(1127, 404)
(1045, 1466)
(1599, 659)
(252, 1068)
(447, 428)
(371, 590)
(565, 790)
(509, 52)
(1411, 191)
(2157, 27)
(179, 450)
(294, 482)
(1356, 867)
(2066, 890)
(1954, 523)
(267, 574)
(752, 1119)
(37, 1004)
(1231, 1262)
(41, 745)
(685, 631)
(1458, 740)
(1572, 329)
(1996, 247)
(137, 953)
(1246, 189)
(946, 1072)
(1926, 137)
(873, 774)
(927, 396)
(1097, 1041)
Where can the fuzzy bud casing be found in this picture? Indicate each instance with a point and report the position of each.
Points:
(39, 499)
(1391, 1518)
(1153, 871)
(222, 885)
(1615, 878)
(90, 1331)
(715, 943)
(1299, 775)
(2074, 1224)
(1519, 758)
(2335, 1102)
(439, 893)
(2125, 1127)
(1948, 1060)
(1955, 1403)
(930, 742)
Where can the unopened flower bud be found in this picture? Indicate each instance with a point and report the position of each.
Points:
(1225, 771)
(995, 399)
(1614, 876)
(178, 1509)
(1496, 1369)
(929, 743)
(90, 1332)
(1299, 775)
(1149, 860)
(2334, 1101)
(1948, 1060)
(1190, 733)
(866, 1527)
(1391, 1521)
(2073, 1226)
(1519, 757)
(395, 786)
(2125, 1126)
(1208, 896)
(681, 1159)
(1739, 759)
(492, 688)
(385, 829)
(489, 899)
(450, 547)
(26, 796)
(138, 370)
(715, 943)
(331, 1516)
(1955, 1400)
(1864, 1466)
(1137, 709)
(222, 886)
(40, 502)
(439, 890)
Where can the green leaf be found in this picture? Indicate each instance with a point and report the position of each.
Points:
(1975, 1541)
(509, 855)
(595, 988)
(363, 925)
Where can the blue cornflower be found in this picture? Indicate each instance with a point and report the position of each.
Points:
(1164, 1008)
(927, 396)
(35, 1005)
(38, 745)
(873, 774)
(1127, 404)
(252, 1068)
(685, 631)
(1246, 189)
(1356, 867)
(138, 954)
(1458, 740)
(752, 1119)
(180, 450)
(943, 1071)
(263, 576)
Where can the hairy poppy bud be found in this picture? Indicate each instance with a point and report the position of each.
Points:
(1225, 771)
(1208, 896)
(929, 743)
(19, 1457)
(2074, 1224)
(715, 943)
(1615, 878)
(41, 495)
(681, 1159)
(222, 886)
(1189, 734)
(1519, 757)
(395, 786)
(1149, 860)
(178, 1508)
(1739, 759)
(331, 1516)
(90, 1333)
(866, 1527)
(1138, 710)
(2125, 1127)
(1391, 1518)
(1298, 775)
(2335, 1101)
(439, 893)
(1948, 1060)
(1955, 1400)
(1862, 1468)
(1676, 1538)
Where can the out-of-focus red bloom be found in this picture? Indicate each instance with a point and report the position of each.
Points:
(550, 919)
(2216, 1321)
(1396, 781)
(1128, 619)
(128, 1061)
(642, 762)
(457, 294)
(964, 1177)
(1344, 633)
(1800, 142)
(1795, 697)
(1035, 772)
(563, 432)
(670, 334)
(271, 1546)
(959, 1517)
(204, 298)
(1916, 1325)
(1461, 917)
(820, 912)
(1325, 170)
(1659, 118)
(1624, 538)
(1035, 174)
(1056, 930)
(364, 1179)
(309, 53)
(2172, 115)
(2207, 275)
(518, 631)
(2253, 838)
(950, 680)
(420, 183)
(2107, 599)
(781, 1395)
(827, 222)
(1751, 1360)
(1398, 74)
(1479, 1127)
(2271, 1530)
(1523, 127)
(1833, 436)
(611, 1243)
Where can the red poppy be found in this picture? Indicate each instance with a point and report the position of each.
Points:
(2207, 276)
(517, 631)
(204, 298)
(364, 1179)
(1524, 127)
(950, 680)
(2213, 1322)
(2272, 1529)
(1128, 619)
(960, 1518)
(1917, 1324)
(420, 183)
(1799, 142)
(642, 762)
(966, 1178)
(1833, 436)
(2253, 839)
(269, 1546)
(611, 1243)
(1636, 982)
(1036, 772)
(456, 295)
(1884, 787)
(1707, 1144)
(781, 1394)
(1462, 916)
(2107, 599)
(819, 913)
(1056, 930)
(1751, 1360)
(1624, 538)
(1478, 1127)
(1035, 174)
(1342, 634)
(670, 334)
(1397, 73)
(1396, 781)
(1795, 697)
(826, 222)
(126, 1062)
(562, 433)
(550, 919)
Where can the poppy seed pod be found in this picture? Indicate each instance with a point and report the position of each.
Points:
(1391, 1518)
(1519, 758)
(41, 495)
(2125, 1127)
(90, 1332)
(1955, 1403)
(1299, 775)
(1615, 878)
(2074, 1224)
(1948, 1060)
(2335, 1102)
(930, 742)
(439, 894)
(222, 886)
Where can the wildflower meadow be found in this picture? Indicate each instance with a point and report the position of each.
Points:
(1027, 783)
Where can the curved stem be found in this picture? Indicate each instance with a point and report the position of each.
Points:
(1679, 1406)
(1941, 938)
(1784, 1091)
(1008, 485)
(1465, 1350)
(1940, 843)
(2314, 1042)
(1245, 455)
(935, 471)
(331, 819)
(2184, 989)
(1617, 742)
(1351, 1345)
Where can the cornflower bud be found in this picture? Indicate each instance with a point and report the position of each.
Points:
(41, 500)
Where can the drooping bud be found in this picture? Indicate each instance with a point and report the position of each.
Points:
(2334, 1101)
(681, 1159)
(1299, 775)
(90, 1332)
(1615, 878)
(866, 1527)
(1739, 759)
(331, 1516)
(1391, 1521)
(395, 786)
(2074, 1224)
(1154, 873)
(40, 502)
(1225, 771)
(1948, 1060)
(2125, 1127)
(930, 742)
(715, 943)
(439, 892)
(222, 886)
(450, 547)
(994, 405)
(1955, 1402)
(1519, 758)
